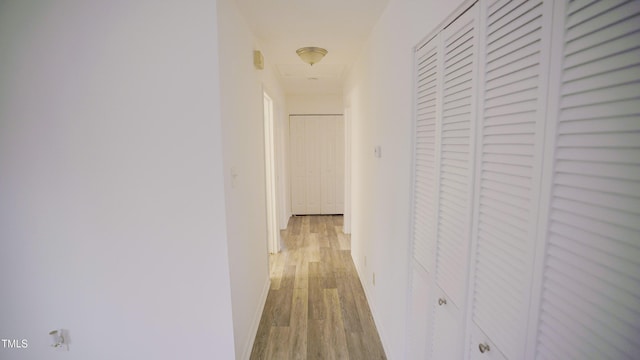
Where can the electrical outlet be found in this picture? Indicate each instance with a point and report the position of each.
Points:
(60, 339)
(377, 151)
(374, 279)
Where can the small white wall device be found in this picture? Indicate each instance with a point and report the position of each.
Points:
(59, 339)
(377, 151)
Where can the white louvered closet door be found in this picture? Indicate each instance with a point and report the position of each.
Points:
(455, 130)
(510, 150)
(427, 88)
(590, 300)
(424, 219)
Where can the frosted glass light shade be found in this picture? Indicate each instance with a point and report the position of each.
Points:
(311, 55)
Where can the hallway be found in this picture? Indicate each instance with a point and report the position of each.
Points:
(316, 307)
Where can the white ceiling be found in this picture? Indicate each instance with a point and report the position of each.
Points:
(283, 26)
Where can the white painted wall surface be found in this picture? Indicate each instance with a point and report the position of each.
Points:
(242, 122)
(314, 104)
(112, 217)
(379, 93)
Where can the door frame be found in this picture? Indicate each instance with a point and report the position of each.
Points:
(273, 234)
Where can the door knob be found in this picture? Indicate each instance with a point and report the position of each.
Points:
(442, 301)
(484, 347)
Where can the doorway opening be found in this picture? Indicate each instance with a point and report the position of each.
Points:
(273, 238)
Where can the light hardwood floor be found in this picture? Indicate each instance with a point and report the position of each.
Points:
(316, 307)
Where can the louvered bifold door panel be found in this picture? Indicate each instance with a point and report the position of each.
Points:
(511, 121)
(590, 305)
(424, 200)
(456, 165)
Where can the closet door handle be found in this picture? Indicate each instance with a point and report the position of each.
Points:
(442, 301)
(484, 347)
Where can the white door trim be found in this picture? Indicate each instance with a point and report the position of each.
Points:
(273, 238)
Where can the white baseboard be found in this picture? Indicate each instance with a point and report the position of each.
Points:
(256, 320)
(374, 313)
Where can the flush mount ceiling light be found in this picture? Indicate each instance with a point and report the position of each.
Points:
(311, 55)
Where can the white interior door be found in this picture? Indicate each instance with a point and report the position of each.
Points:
(312, 150)
(546, 265)
(317, 177)
(458, 92)
(590, 291)
(340, 165)
(510, 148)
(424, 207)
(328, 152)
(298, 179)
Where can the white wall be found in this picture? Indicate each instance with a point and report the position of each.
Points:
(112, 218)
(313, 104)
(242, 122)
(379, 94)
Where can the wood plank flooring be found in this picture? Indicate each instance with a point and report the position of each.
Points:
(316, 307)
